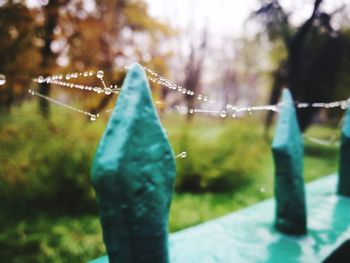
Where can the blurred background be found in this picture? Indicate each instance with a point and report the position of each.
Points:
(239, 53)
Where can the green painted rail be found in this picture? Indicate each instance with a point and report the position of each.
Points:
(133, 174)
(249, 235)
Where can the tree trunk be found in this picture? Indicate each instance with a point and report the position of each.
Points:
(51, 11)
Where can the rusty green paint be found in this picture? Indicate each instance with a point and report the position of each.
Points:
(133, 174)
(344, 162)
(287, 148)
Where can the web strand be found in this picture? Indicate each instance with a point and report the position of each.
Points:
(59, 103)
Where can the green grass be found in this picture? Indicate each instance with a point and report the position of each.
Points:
(48, 206)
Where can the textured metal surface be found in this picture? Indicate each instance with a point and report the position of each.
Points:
(344, 165)
(133, 175)
(287, 148)
(249, 236)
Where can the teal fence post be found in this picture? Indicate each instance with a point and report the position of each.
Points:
(344, 162)
(287, 148)
(133, 174)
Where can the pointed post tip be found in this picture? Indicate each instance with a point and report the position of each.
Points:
(287, 130)
(286, 95)
(136, 68)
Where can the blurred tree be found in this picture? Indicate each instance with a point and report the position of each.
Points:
(72, 35)
(120, 32)
(19, 48)
(315, 54)
(193, 71)
(51, 14)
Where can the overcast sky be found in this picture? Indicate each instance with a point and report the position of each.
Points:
(226, 17)
(223, 17)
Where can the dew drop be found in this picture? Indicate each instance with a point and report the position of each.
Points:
(100, 74)
(93, 117)
(183, 155)
(40, 79)
(86, 74)
(191, 111)
(108, 91)
(2, 79)
(223, 114)
(199, 97)
(344, 106)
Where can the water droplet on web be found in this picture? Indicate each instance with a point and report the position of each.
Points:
(223, 114)
(93, 117)
(40, 79)
(2, 79)
(86, 74)
(199, 97)
(100, 74)
(183, 155)
(344, 106)
(108, 91)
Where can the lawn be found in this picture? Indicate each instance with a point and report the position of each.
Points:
(48, 208)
